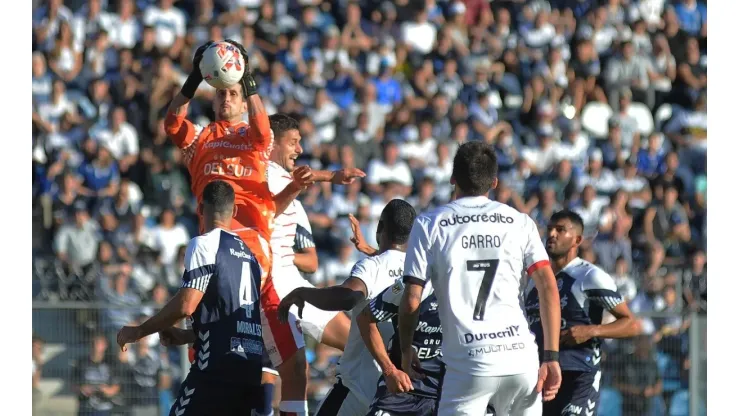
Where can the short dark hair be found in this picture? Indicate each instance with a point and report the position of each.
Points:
(220, 196)
(398, 218)
(282, 123)
(474, 168)
(569, 215)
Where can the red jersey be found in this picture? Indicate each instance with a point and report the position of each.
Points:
(235, 153)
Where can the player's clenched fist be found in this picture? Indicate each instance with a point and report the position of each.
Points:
(127, 335)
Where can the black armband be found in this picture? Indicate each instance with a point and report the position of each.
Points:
(250, 85)
(191, 84)
(548, 356)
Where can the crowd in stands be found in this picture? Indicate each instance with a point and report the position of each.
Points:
(594, 105)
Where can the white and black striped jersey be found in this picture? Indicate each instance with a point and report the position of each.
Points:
(585, 292)
(357, 367)
(475, 252)
(226, 323)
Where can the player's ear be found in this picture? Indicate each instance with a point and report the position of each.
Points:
(453, 182)
(234, 211)
(494, 184)
(579, 240)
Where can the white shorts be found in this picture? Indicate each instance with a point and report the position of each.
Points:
(314, 320)
(514, 395)
(340, 401)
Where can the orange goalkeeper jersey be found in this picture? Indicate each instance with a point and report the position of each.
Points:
(235, 153)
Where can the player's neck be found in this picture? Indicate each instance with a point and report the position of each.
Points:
(559, 263)
(224, 225)
(396, 247)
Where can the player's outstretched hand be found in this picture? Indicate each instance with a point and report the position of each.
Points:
(293, 298)
(346, 176)
(358, 239)
(549, 380)
(127, 335)
(397, 381)
(411, 365)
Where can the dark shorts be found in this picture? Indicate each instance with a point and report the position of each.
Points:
(208, 397)
(402, 404)
(578, 395)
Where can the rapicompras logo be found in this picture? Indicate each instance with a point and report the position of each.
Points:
(226, 145)
(466, 219)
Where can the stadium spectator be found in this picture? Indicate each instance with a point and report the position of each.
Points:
(96, 380)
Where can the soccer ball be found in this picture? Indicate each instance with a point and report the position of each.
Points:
(222, 65)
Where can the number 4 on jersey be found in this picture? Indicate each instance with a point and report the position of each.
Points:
(246, 300)
(488, 267)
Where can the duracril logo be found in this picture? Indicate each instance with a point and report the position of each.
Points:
(511, 331)
(466, 219)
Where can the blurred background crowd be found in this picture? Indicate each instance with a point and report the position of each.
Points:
(594, 105)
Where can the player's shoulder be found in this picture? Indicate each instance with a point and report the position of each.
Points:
(365, 266)
(591, 275)
(205, 243)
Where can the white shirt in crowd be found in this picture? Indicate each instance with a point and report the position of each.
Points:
(379, 172)
(168, 25)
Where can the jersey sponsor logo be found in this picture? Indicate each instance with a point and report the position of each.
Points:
(240, 254)
(249, 328)
(246, 346)
(488, 349)
(222, 144)
(396, 273)
(226, 168)
(425, 328)
(512, 331)
(426, 353)
(466, 219)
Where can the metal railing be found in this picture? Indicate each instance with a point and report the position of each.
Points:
(146, 378)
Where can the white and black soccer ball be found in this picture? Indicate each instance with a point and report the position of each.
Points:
(222, 65)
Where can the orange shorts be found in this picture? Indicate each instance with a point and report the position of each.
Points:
(282, 340)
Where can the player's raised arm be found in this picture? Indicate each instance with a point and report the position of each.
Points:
(260, 135)
(181, 131)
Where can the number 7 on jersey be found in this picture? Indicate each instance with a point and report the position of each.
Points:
(488, 267)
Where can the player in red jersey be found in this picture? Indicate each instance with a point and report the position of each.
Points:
(238, 153)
